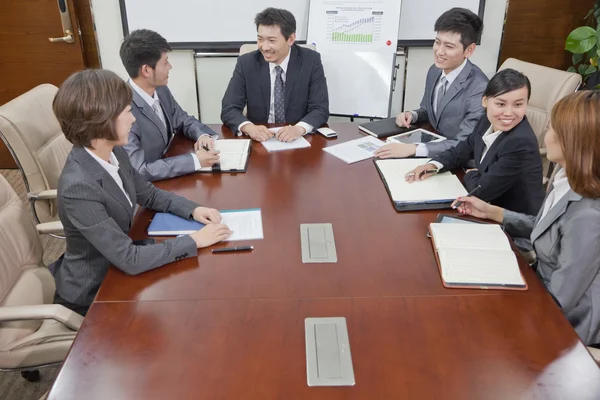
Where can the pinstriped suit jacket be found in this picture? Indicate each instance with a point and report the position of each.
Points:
(305, 99)
(97, 217)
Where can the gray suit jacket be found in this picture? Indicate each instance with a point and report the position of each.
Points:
(567, 245)
(149, 140)
(305, 99)
(97, 217)
(460, 109)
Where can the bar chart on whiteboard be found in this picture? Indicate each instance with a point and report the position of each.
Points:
(354, 26)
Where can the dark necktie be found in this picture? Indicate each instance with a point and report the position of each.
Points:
(278, 92)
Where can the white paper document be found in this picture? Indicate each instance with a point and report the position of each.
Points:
(439, 188)
(355, 150)
(233, 154)
(275, 145)
(245, 224)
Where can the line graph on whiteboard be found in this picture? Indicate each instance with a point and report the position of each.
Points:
(353, 25)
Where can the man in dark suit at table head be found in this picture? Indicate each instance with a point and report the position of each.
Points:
(453, 88)
(280, 82)
(144, 54)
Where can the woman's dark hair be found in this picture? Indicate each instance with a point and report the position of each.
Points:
(277, 17)
(506, 81)
(88, 103)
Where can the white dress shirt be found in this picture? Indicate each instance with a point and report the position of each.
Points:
(113, 170)
(421, 150)
(489, 137)
(273, 75)
(560, 187)
(154, 104)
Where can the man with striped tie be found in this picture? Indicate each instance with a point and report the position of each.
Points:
(280, 82)
(452, 101)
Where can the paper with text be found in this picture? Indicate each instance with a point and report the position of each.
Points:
(355, 150)
(275, 145)
(245, 224)
(233, 154)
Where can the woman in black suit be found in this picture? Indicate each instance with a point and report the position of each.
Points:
(505, 149)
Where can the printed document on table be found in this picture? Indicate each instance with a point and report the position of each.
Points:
(246, 224)
(275, 145)
(355, 150)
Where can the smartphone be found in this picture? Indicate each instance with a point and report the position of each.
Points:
(327, 132)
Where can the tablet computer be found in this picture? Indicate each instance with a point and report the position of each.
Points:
(416, 136)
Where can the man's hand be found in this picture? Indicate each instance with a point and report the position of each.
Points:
(396, 150)
(207, 215)
(259, 133)
(404, 119)
(208, 158)
(289, 133)
(204, 141)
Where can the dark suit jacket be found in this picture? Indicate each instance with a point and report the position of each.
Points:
(460, 109)
(149, 140)
(97, 217)
(510, 175)
(305, 97)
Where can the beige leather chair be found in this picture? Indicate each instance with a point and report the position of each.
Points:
(548, 86)
(34, 333)
(248, 47)
(32, 134)
(595, 354)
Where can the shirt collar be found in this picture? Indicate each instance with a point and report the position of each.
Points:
(111, 167)
(561, 183)
(490, 132)
(452, 75)
(147, 98)
(283, 65)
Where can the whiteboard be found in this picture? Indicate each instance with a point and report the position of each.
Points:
(194, 22)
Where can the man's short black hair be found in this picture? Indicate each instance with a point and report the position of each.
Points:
(462, 21)
(142, 47)
(276, 16)
(506, 81)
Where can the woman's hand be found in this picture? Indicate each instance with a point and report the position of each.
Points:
(210, 235)
(207, 215)
(479, 208)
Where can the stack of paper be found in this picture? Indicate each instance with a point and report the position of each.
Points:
(355, 150)
(233, 155)
(475, 255)
(275, 145)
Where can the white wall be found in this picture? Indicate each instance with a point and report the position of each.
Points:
(207, 78)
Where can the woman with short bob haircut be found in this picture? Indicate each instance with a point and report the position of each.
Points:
(566, 232)
(508, 165)
(98, 190)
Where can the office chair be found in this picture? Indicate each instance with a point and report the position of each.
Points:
(34, 333)
(33, 136)
(548, 86)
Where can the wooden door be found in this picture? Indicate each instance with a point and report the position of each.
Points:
(27, 57)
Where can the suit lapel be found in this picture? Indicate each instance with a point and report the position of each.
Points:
(485, 163)
(454, 89)
(167, 115)
(291, 76)
(264, 77)
(103, 178)
(553, 214)
(149, 113)
(432, 97)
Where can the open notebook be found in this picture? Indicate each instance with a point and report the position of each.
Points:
(233, 155)
(475, 256)
(437, 192)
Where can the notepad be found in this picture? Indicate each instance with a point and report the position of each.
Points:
(246, 224)
(355, 150)
(275, 145)
(475, 256)
(437, 192)
(233, 156)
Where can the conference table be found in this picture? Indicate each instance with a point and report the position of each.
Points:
(231, 325)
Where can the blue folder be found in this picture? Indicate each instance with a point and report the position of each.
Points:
(165, 224)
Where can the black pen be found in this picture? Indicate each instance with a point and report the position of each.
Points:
(205, 147)
(429, 171)
(228, 249)
(458, 203)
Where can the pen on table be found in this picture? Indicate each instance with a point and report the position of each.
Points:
(458, 203)
(428, 171)
(228, 249)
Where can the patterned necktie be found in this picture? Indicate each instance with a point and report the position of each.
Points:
(159, 112)
(278, 91)
(440, 94)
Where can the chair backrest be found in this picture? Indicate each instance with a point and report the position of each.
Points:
(548, 86)
(24, 280)
(33, 135)
(249, 47)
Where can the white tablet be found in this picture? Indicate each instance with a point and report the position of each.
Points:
(416, 136)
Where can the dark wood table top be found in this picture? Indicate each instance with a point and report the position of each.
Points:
(380, 252)
(232, 326)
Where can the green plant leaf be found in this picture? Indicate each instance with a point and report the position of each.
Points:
(598, 52)
(571, 69)
(581, 70)
(577, 58)
(581, 40)
(590, 70)
(597, 86)
(589, 14)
